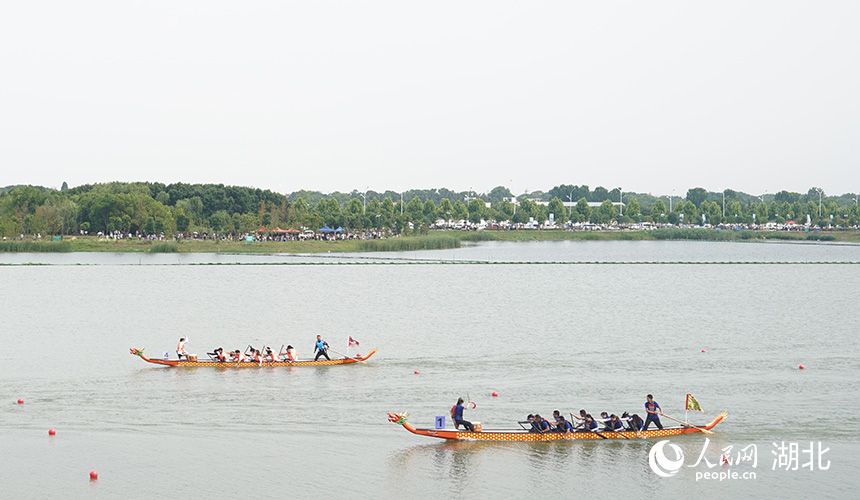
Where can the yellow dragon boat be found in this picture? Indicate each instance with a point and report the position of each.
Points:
(251, 364)
(524, 435)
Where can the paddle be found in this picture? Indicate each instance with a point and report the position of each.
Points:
(345, 356)
(471, 403)
(619, 433)
(706, 431)
(599, 434)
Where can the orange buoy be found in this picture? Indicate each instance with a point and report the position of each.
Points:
(495, 394)
(51, 432)
(20, 401)
(93, 475)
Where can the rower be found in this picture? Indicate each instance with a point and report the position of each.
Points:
(615, 424)
(220, 354)
(180, 349)
(291, 353)
(556, 415)
(634, 422)
(542, 424)
(580, 417)
(258, 358)
(271, 355)
(604, 419)
(563, 425)
(589, 425)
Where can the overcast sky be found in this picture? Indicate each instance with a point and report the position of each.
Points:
(756, 96)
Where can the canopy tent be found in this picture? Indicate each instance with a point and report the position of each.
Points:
(261, 230)
(326, 229)
(293, 231)
(279, 230)
(339, 229)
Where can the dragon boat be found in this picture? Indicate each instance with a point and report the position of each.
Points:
(252, 364)
(524, 435)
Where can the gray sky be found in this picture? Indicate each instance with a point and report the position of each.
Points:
(650, 96)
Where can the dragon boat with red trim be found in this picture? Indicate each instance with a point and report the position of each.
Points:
(253, 364)
(524, 435)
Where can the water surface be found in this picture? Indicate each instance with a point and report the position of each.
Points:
(549, 336)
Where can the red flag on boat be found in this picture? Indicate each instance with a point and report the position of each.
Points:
(352, 342)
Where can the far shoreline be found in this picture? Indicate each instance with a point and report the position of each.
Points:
(434, 240)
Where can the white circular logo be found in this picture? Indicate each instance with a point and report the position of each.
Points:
(661, 464)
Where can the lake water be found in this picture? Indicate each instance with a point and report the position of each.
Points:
(547, 336)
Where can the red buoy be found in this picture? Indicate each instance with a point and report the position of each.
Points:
(20, 401)
(495, 394)
(93, 475)
(703, 350)
(51, 432)
(801, 367)
(416, 372)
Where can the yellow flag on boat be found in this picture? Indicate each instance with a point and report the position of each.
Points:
(692, 404)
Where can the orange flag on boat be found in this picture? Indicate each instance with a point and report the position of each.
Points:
(692, 404)
(352, 342)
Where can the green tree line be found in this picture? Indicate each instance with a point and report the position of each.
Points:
(153, 208)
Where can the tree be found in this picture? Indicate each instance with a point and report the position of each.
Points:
(556, 207)
(786, 197)
(599, 194)
(217, 221)
(633, 210)
(658, 211)
(476, 210)
(414, 210)
(27, 198)
(605, 213)
(329, 213)
(691, 215)
(459, 212)
(697, 196)
(182, 220)
(582, 211)
(714, 213)
(672, 218)
(64, 187)
(445, 209)
(499, 193)
(296, 213)
(387, 211)
(430, 212)
(354, 214)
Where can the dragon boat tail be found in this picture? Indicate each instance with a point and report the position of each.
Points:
(524, 435)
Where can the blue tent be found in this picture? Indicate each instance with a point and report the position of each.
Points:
(339, 229)
(326, 229)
